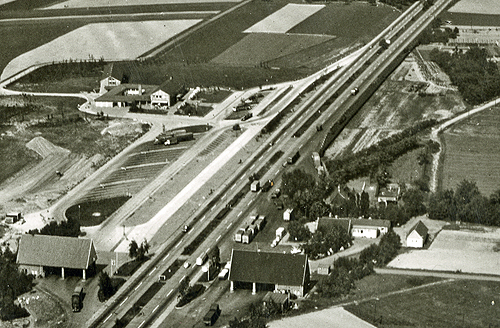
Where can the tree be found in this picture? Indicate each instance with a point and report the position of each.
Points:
(184, 287)
(414, 202)
(133, 249)
(105, 285)
(298, 232)
(327, 241)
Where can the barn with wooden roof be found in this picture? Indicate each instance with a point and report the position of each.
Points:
(281, 272)
(37, 253)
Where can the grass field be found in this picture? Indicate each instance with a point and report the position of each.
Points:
(110, 41)
(461, 303)
(476, 7)
(472, 151)
(121, 3)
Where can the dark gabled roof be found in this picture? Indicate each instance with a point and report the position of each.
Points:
(56, 251)
(168, 87)
(420, 228)
(268, 268)
(371, 223)
(112, 70)
(328, 222)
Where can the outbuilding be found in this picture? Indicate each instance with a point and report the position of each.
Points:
(417, 236)
(37, 253)
(278, 272)
(369, 228)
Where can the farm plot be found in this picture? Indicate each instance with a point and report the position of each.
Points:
(469, 251)
(110, 41)
(472, 151)
(477, 7)
(284, 19)
(256, 48)
(120, 3)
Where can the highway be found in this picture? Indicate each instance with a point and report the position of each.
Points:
(150, 314)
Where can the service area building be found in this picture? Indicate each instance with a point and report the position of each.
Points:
(36, 253)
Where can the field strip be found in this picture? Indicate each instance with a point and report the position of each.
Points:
(109, 41)
(86, 17)
(487, 7)
(284, 19)
(121, 3)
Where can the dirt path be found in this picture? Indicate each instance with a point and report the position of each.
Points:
(435, 137)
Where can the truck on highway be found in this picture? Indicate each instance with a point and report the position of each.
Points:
(247, 116)
(293, 159)
(354, 91)
(203, 256)
(212, 315)
(268, 185)
(255, 186)
(238, 236)
(77, 298)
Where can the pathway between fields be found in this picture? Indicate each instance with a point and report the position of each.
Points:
(435, 137)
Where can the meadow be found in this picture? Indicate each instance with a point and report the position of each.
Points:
(472, 151)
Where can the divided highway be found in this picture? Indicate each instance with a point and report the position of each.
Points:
(364, 72)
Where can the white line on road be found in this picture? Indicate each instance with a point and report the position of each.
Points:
(212, 208)
(141, 324)
(181, 279)
(224, 196)
(250, 202)
(229, 226)
(138, 286)
(152, 271)
(190, 231)
(218, 238)
(242, 177)
(253, 165)
(239, 213)
(165, 257)
(178, 244)
(170, 292)
(233, 187)
(109, 316)
(260, 158)
(278, 140)
(203, 218)
(123, 302)
(156, 308)
(277, 172)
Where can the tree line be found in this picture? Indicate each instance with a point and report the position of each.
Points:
(465, 204)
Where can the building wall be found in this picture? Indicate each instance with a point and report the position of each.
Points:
(297, 290)
(365, 232)
(33, 269)
(416, 242)
(104, 103)
(108, 82)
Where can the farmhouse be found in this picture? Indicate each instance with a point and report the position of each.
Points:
(417, 235)
(110, 78)
(125, 94)
(368, 228)
(281, 272)
(389, 194)
(37, 253)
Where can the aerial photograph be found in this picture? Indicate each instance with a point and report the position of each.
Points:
(250, 163)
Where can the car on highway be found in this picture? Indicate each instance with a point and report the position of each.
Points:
(185, 228)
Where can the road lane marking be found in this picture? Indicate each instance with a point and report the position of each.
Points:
(250, 202)
(178, 244)
(190, 231)
(165, 257)
(233, 187)
(123, 302)
(109, 316)
(229, 226)
(181, 279)
(203, 218)
(141, 324)
(242, 177)
(156, 308)
(239, 213)
(218, 238)
(152, 271)
(260, 158)
(138, 286)
(277, 172)
(223, 196)
(212, 208)
(170, 292)
(251, 167)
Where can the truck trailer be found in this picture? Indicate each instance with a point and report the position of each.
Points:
(255, 186)
(76, 299)
(294, 158)
(212, 315)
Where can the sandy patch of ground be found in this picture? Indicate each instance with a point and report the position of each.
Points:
(472, 251)
(488, 7)
(332, 318)
(119, 3)
(110, 41)
(284, 19)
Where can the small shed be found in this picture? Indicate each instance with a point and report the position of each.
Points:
(324, 269)
(12, 217)
(280, 299)
(417, 235)
(288, 215)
